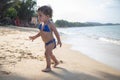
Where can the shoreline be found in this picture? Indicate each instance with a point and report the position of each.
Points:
(22, 59)
(101, 50)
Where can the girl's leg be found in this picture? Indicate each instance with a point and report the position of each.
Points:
(49, 55)
(54, 59)
(48, 59)
(48, 62)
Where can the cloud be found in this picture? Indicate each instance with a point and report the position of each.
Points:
(111, 4)
(84, 10)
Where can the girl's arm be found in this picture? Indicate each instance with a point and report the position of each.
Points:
(56, 34)
(34, 37)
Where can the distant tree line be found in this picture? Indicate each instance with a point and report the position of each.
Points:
(64, 23)
(20, 9)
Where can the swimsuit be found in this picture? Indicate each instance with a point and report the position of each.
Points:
(51, 41)
(47, 29)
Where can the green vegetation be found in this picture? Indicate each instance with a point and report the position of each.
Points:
(64, 23)
(25, 9)
(11, 12)
(12, 9)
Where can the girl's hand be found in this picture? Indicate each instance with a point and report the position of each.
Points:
(59, 43)
(32, 37)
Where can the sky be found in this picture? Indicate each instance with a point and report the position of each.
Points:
(104, 11)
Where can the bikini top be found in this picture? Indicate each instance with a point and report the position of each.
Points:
(45, 29)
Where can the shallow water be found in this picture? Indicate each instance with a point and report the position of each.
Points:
(101, 43)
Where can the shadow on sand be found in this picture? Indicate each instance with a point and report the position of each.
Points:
(109, 76)
(67, 75)
(62, 74)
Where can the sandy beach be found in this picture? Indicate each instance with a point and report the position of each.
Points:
(22, 59)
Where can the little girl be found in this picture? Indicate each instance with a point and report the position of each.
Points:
(47, 28)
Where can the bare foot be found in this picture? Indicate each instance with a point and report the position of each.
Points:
(46, 70)
(55, 64)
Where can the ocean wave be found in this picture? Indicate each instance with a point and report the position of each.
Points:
(67, 33)
(110, 40)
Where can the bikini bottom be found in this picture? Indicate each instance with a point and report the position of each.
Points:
(51, 41)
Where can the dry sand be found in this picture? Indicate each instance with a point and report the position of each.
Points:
(21, 59)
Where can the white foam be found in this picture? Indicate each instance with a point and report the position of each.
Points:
(110, 40)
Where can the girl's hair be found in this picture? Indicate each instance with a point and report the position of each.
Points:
(47, 10)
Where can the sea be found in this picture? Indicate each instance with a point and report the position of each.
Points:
(101, 43)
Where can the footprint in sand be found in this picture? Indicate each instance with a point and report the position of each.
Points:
(41, 58)
(2, 57)
(11, 56)
(29, 53)
(61, 61)
(2, 48)
(9, 51)
(5, 72)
